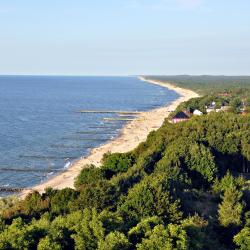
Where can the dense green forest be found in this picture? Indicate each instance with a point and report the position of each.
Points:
(209, 84)
(186, 187)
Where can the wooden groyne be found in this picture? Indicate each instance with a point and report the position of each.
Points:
(121, 112)
(29, 170)
(105, 127)
(13, 189)
(94, 133)
(85, 139)
(70, 146)
(118, 119)
(128, 115)
(48, 157)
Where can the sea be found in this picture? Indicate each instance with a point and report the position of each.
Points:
(42, 131)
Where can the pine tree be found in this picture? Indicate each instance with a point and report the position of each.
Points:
(230, 210)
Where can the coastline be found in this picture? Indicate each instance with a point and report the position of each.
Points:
(131, 135)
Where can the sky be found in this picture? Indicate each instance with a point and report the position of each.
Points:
(124, 37)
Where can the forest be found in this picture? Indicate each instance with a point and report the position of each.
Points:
(186, 187)
(206, 84)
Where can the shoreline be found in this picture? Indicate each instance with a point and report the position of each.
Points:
(131, 135)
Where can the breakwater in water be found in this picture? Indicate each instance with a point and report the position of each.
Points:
(43, 132)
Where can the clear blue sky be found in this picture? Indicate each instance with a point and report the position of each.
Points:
(120, 37)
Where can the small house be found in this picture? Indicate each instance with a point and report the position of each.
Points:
(180, 117)
(211, 107)
(197, 112)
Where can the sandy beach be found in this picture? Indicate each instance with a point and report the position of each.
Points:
(133, 133)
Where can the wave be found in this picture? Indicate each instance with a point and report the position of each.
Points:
(95, 132)
(69, 146)
(28, 170)
(67, 165)
(50, 173)
(48, 157)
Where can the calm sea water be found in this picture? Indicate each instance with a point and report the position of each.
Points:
(40, 130)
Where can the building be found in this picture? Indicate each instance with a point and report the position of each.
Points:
(211, 107)
(180, 117)
(197, 112)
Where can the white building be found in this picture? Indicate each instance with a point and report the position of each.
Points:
(211, 107)
(197, 112)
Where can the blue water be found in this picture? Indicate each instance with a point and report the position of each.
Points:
(40, 130)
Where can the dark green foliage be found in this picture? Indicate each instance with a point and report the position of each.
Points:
(88, 175)
(236, 104)
(111, 221)
(230, 210)
(34, 203)
(242, 239)
(209, 84)
(48, 243)
(100, 195)
(199, 234)
(115, 241)
(116, 163)
(228, 181)
(165, 194)
(58, 236)
(151, 197)
(61, 199)
(19, 236)
(201, 160)
(89, 231)
(172, 237)
(137, 233)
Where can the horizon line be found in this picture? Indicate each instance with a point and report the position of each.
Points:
(121, 75)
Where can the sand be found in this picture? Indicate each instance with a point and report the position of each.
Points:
(133, 133)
